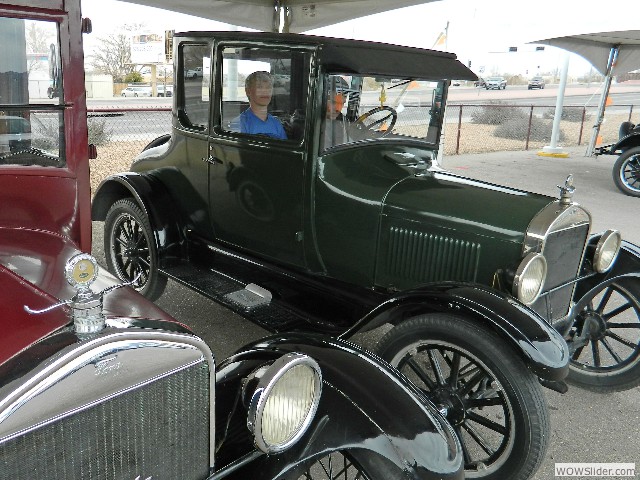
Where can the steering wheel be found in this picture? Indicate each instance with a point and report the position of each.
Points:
(362, 124)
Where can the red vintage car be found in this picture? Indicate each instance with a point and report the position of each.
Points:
(98, 383)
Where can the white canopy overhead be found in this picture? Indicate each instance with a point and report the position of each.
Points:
(617, 51)
(596, 47)
(294, 16)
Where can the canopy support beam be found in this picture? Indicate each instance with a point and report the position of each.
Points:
(281, 17)
(613, 56)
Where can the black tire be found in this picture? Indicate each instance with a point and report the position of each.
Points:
(352, 465)
(494, 403)
(626, 172)
(130, 250)
(610, 361)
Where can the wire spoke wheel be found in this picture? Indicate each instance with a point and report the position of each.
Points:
(482, 387)
(335, 466)
(130, 249)
(626, 172)
(472, 397)
(605, 338)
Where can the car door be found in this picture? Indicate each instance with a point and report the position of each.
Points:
(256, 181)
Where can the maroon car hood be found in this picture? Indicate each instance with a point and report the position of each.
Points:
(32, 274)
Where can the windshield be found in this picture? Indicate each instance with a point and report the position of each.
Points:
(366, 108)
(31, 112)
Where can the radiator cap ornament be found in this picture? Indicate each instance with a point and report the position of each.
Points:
(85, 307)
(566, 191)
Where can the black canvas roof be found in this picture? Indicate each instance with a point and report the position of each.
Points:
(358, 56)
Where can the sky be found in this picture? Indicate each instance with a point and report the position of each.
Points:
(478, 32)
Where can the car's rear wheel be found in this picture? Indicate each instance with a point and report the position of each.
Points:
(130, 249)
(610, 358)
(494, 403)
(626, 172)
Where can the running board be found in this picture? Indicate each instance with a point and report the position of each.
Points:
(250, 301)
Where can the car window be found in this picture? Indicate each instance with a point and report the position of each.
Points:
(193, 110)
(283, 73)
(31, 117)
(376, 108)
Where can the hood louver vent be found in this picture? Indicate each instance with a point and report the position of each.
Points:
(423, 257)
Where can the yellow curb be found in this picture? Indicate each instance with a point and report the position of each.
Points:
(556, 155)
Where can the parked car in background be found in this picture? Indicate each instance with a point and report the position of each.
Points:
(193, 72)
(15, 133)
(97, 383)
(536, 82)
(136, 91)
(495, 83)
(479, 82)
(164, 91)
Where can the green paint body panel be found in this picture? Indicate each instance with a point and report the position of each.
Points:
(395, 226)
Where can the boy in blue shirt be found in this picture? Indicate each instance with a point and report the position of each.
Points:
(256, 120)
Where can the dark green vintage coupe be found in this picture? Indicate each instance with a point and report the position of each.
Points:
(349, 224)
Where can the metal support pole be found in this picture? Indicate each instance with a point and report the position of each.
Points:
(613, 56)
(553, 150)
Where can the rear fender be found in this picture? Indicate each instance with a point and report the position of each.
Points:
(155, 201)
(542, 348)
(359, 405)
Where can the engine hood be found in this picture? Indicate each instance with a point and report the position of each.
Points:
(453, 202)
(32, 273)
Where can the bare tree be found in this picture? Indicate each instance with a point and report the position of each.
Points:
(38, 40)
(112, 56)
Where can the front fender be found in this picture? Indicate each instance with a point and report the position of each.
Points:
(630, 141)
(152, 197)
(627, 265)
(543, 349)
(360, 407)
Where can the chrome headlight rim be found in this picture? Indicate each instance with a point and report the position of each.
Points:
(520, 277)
(603, 248)
(269, 379)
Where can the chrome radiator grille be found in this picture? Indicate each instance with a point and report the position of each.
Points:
(563, 250)
(159, 431)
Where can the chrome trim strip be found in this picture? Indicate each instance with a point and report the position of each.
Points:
(106, 356)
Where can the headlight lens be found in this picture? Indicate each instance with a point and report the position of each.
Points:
(284, 402)
(529, 278)
(607, 250)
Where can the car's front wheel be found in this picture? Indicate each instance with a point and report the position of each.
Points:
(605, 338)
(494, 403)
(130, 249)
(352, 464)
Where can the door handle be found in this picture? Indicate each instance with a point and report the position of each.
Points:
(212, 160)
